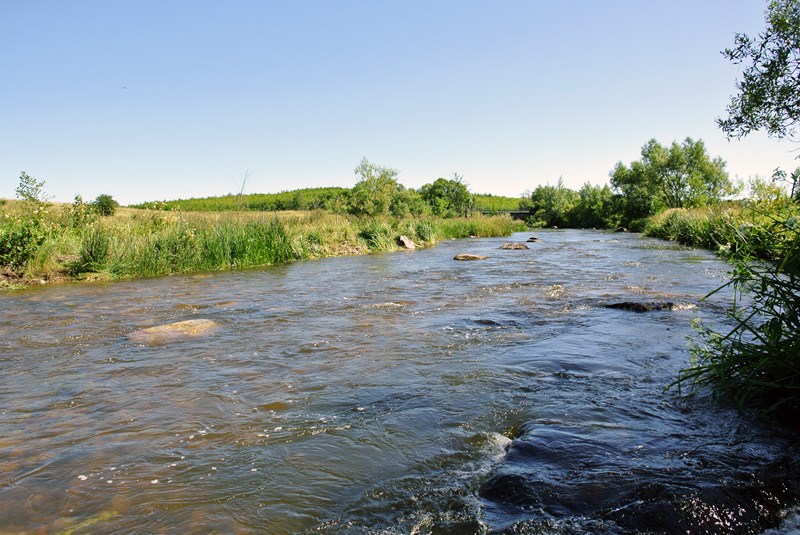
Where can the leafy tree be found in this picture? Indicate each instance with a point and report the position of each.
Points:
(105, 205)
(769, 93)
(550, 205)
(373, 194)
(448, 197)
(679, 176)
(31, 190)
(596, 207)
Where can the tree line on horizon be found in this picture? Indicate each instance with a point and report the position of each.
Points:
(681, 175)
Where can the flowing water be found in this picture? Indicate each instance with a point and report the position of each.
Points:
(391, 393)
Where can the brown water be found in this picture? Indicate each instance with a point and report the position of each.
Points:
(392, 393)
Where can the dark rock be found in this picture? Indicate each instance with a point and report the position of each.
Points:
(650, 306)
(534, 239)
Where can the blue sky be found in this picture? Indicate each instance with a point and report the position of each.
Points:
(170, 99)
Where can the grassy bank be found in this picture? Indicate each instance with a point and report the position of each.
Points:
(62, 242)
(757, 362)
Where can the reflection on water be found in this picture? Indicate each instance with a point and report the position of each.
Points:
(394, 393)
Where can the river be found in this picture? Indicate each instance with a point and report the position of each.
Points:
(390, 393)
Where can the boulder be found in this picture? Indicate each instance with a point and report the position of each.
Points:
(407, 243)
(534, 239)
(469, 257)
(650, 306)
(174, 332)
(514, 246)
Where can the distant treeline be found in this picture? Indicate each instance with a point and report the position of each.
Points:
(301, 199)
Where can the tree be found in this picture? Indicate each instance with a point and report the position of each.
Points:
(373, 194)
(550, 205)
(448, 197)
(769, 93)
(679, 176)
(768, 96)
(31, 190)
(105, 205)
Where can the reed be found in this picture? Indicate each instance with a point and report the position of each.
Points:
(146, 243)
(757, 361)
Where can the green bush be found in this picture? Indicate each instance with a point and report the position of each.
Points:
(105, 205)
(19, 240)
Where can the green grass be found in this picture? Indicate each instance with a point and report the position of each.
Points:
(757, 362)
(145, 243)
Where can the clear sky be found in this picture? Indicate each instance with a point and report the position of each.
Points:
(154, 100)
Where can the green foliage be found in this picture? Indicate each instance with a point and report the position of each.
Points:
(373, 194)
(486, 201)
(378, 235)
(550, 205)
(758, 360)
(301, 199)
(769, 92)
(81, 214)
(679, 176)
(21, 236)
(105, 205)
(31, 190)
(94, 249)
(19, 239)
(448, 197)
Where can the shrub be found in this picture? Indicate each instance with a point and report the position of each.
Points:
(19, 239)
(105, 205)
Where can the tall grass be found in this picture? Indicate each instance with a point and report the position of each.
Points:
(757, 362)
(146, 243)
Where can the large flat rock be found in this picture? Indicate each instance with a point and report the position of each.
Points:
(174, 332)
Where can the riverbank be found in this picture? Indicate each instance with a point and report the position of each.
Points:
(64, 243)
(756, 360)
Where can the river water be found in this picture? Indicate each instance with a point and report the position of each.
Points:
(389, 393)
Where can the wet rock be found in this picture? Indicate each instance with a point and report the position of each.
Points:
(621, 229)
(407, 243)
(470, 257)
(174, 332)
(514, 246)
(533, 239)
(651, 306)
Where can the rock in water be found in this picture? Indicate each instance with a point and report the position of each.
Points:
(651, 306)
(514, 246)
(407, 243)
(534, 239)
(469, 257)
(174, 332)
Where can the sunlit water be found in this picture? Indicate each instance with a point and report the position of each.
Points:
(393, 393)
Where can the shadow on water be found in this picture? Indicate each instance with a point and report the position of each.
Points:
(393, 393)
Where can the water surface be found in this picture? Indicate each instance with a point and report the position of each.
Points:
(391, 393)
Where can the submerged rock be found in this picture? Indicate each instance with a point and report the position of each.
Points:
(651, 306)
(407, 243)
(174, 332)
(514, 246)
(470, 257)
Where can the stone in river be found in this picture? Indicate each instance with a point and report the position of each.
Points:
(651, 306)
(469, 257)
(514, 246)
(174, 332)
(407, 243)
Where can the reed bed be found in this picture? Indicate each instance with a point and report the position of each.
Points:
(145, 243)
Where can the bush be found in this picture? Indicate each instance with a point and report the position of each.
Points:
(105, 205)
(19, 240)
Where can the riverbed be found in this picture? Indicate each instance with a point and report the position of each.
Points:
(390, 393)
